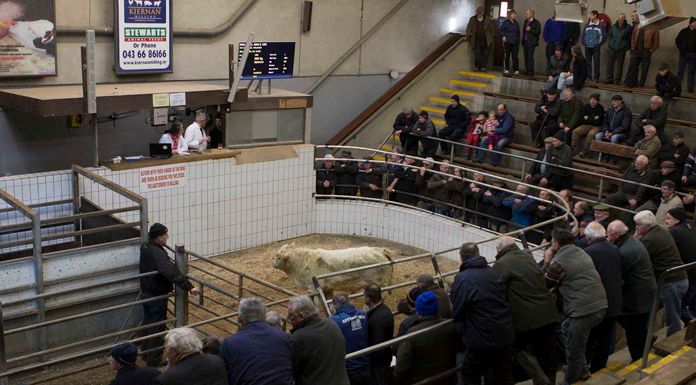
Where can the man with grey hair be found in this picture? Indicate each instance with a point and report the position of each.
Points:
(483, 320)
(534, 314)
(664, 255)
(195, 135)
(273, 319)
(655, 114)
(353, 325)
(638, 285)
(317, 347)
(632, 194)
(649, 146)
(426, 283)
(607, 261)
(186, 364)
(258, 353)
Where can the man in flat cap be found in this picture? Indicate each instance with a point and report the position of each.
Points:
(153, 257)
(122, 360)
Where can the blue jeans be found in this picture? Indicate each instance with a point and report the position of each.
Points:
(671, 295)
(495, 158)
(616, 138)
(564, 81)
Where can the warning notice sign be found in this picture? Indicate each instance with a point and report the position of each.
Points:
(162, 177)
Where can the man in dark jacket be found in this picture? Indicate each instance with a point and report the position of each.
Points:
(534, 314)
(572, 272)
(317, 346)
(664, 255)
(403, 125)
(537, 169)
(530, 40)
(685, 238)
(638, 286)
(369, 179)
(423, 130)
(686, 43)
(405, 183)
(570, 113)
(153, 257)
(619, 41)
(426, 283)
(559, 154)
(493, 199)
(654, 115)
(326, 176)
(617, 122)
(426, 355)
(457, 119)
(187, 365)
(483, 318)
(258, 353)
(556, 64)
(438, 184)
(607, 260)
(667, 85)
(676, 151)
(380, 328)
(346, 173)
(473, 196)
(479, 32)
(546, 122)
(510, 32)
(353, 325)
(554, 35)
(122, 360)
(590, 123)
(631, 194)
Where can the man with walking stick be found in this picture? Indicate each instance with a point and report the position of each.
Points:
(546, 122)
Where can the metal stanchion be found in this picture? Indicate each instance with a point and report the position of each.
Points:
(181, 296)
(3, 357)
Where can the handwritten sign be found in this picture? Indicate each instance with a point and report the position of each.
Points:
(162, 177)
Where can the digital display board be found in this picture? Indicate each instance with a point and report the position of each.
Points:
(268, 60)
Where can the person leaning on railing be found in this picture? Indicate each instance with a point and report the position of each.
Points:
(326, 176)
(346, 173)
(369, 179)
(153, 257)
(186, 364)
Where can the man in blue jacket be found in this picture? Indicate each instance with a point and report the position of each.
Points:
(258, 354)
(483, 319)
(593, 36)
(353, 325)
(554, 33)
(510, 31)
(617, 122)
(504, 133)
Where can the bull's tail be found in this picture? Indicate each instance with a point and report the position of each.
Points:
(391, 255)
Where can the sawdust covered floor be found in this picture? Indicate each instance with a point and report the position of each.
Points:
(258, 262)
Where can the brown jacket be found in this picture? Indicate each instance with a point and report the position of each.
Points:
(651, 40)
(487, 26)
(651, 149)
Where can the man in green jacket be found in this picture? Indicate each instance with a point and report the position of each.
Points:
(664, 255)
(571, 112)
(534, 314)
(619, 41)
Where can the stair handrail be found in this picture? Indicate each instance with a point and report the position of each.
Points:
(394, 92)
(653, 312)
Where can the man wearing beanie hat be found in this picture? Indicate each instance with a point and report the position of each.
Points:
(423, 129)
(558, 154)
(590, 124)
(153, 257)
(685, 238)
(122, 360)
(457, 119)
(403, 125)
(686, 43)
(484, 321)
(428, 354)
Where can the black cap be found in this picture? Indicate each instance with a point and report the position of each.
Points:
(345, 153)
(552, 91)
(156, 230)
(560, 135)
(617, 97)
(455, 97)
(595, 96)
(678, 214)
(423, 114)
(125, 353)
(558, 48)
(679, 134)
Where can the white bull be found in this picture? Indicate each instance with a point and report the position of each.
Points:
(301, 263)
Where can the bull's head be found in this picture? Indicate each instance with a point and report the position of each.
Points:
(283, 255)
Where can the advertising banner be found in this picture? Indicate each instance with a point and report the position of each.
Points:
(27, 38)
(143, 36)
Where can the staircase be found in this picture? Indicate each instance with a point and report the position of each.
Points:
(469, 86)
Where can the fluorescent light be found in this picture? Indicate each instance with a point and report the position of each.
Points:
(452, 24)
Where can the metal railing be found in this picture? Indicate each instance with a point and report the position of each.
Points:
(603, 179)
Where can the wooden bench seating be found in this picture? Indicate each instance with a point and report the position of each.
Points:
(621, 150)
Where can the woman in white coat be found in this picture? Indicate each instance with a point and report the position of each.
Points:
(173, 137)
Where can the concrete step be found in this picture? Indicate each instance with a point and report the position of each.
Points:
(438, 101)
(479, 76)
(453, 91)
(433, 110)
(468, 85)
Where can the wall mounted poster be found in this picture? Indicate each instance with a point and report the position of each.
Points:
(27, 38)
(143, 37)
